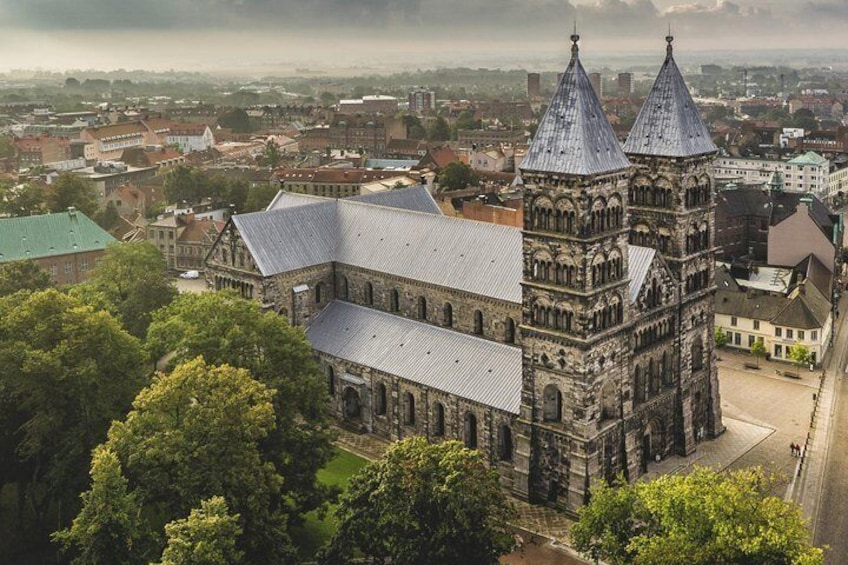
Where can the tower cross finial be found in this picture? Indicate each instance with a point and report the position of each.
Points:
(669, 39)
(574, 39)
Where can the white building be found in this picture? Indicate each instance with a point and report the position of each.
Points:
(809, 172)
(191, 137)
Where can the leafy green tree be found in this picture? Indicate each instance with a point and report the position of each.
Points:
(805, 119)
(109, 218)
(466, 120)
(271, 156)
(207, 537)
(259, 197)
(423, 504)
(224, 328)
(66, 371)
(133, 277)
(758, 350)
(23, 275)
(702, 518)
(456, 176)
(414, 127)
(71, 190)
(110, 529)
(184, 184)
(23, 200)
(236, 120)
(197, 432)
(439, 130)
(800, 354)
(720, 336)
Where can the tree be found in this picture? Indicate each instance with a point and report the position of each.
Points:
(271, 156)
(22, 200)
(466, 120)
(23, 275)
(184, 184)
(705, 517)
(720, 337)
(456, 176)
(259, 197)
(758, 350)
(227, 329)
(414, 128)
(236, 120)
(66, 371)
(197, 432)
(207, 537)
(70, 190)
(805, 119)
(134, 279)
(423, 504)
(800, 354)
(439, 130)
(109, 530)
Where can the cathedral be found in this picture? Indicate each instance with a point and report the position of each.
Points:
(575, 349)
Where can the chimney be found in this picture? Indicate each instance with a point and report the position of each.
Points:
(72, 211)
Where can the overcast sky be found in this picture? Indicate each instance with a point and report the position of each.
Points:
(203, 33)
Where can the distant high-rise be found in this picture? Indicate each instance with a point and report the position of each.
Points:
(625, 84)
(534, 85)
(595, 81)
(422, 101)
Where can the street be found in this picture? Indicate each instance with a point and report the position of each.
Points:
(831, 523)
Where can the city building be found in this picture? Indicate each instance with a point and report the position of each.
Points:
(373, 104)
(625, 84)
(534, 85)
(190, 137)
(67, 245)
(108, 142)
(809, 172)
(491, 136)
(577, 348)
(422, 101)
(184, 239)
(595, 81)
(107, 176)
(331, 182)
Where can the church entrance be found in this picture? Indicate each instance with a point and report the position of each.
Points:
(352, 408)
(651, 444)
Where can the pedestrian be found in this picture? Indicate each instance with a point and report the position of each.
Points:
(793, 448)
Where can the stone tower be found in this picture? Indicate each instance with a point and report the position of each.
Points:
(576, 311)
(672, 210)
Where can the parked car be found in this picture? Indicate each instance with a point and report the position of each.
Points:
(190, 275)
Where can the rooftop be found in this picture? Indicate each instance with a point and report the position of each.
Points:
(48, 235)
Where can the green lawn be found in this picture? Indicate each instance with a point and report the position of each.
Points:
(316, 531)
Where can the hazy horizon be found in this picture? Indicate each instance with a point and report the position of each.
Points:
(279, 36)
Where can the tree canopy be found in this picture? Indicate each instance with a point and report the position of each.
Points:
(720, 336)
(197, 432)
(800, 353)
(225, 328)
(133, 278)
(439, 130)
(66, 371)
(758, 350)
(72, 190)
(705, 517)
(271, 156)
(207, 537)
(456, 176)
(23, 275)
(423, 504)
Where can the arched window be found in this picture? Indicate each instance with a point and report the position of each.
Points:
(509, 331)
(394, 301)
(382, 399)
(422, 308)
(319, 288)
(470, 431)
(478, 322)
(439, 417)
(505, 443)
(447, 314)
(343, 287)
(331, 380)
(369, 294)
(697, 354)
(409, 409)
(638, 385)
(609, 409)
(552, 404)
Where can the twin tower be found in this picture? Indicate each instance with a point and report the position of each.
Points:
(617, 331)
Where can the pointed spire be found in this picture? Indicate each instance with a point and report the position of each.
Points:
(668, 124)
(574, 137)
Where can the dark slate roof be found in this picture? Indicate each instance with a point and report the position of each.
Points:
(574, 137)
(669, 124)
(415, 198)
(807, 309)
(743, 202)
(463, 365)
(785, 204)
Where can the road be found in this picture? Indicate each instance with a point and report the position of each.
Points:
(831, 524)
